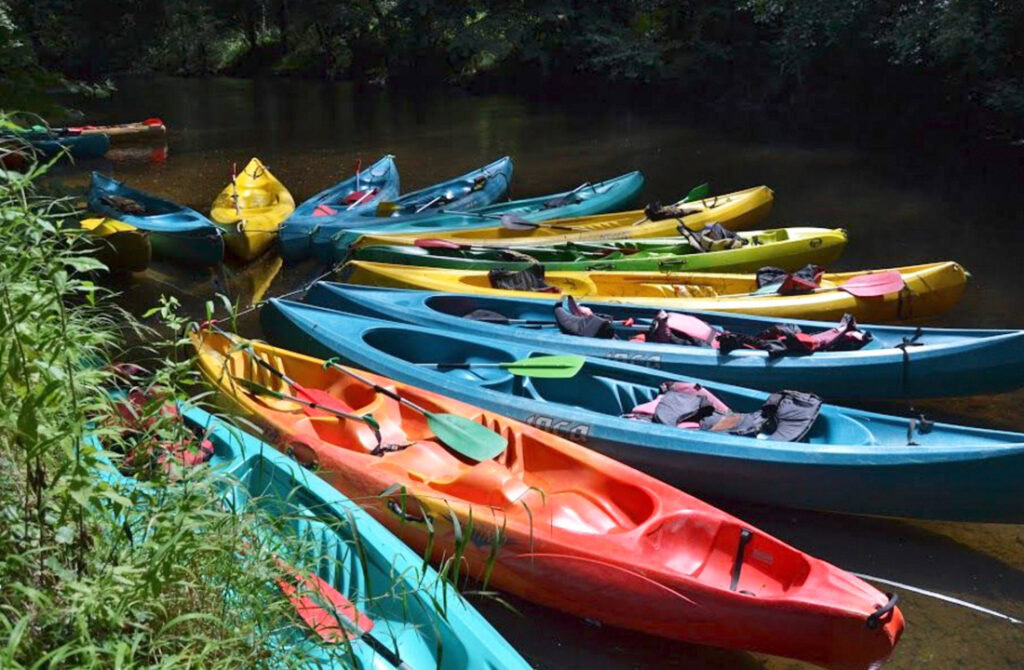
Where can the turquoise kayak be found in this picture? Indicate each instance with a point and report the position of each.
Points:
(476, 188)
(176, 232)
(415, 615)
(850, 460)
(360, 192)
(587, 199)
(49, 144)
(937, 361)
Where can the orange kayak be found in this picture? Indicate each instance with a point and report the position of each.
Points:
(566, 527)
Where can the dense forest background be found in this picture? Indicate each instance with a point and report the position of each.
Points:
(953, 64)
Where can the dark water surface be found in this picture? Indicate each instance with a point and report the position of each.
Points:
(901, 207)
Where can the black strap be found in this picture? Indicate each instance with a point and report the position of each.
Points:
(911, 341)
(746, 535)
(875, 618)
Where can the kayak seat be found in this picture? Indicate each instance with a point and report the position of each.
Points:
(575, 499)
(690, 291)
(706, 548)
(685, 540)
(346, 433)
(422, 461)
(240, 364)
(836, 428)
(487, 482)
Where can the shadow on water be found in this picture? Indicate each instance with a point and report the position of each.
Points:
(923, 202)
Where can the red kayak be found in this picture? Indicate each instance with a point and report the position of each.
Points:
(151, 126)
(566, 526)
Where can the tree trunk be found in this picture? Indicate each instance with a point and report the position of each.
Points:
(282, 25)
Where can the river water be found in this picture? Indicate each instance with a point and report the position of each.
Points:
(923, 202)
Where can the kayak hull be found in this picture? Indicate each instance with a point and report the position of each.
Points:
(740, 210)
(295, 239)
(119, 246)
(844, 449)
(571, 529)
(606, 196)
(940, 362)
(786, 248)
(462, 193)
(251, 209)
(930, 289)
(78, 147)
(176, 232)
(385, 579)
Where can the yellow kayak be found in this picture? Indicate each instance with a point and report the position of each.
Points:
(251, 209)
(120, 246)
(929, 289)
(740, 210)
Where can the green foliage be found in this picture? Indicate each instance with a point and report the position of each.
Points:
(959, 59)
(98, 574)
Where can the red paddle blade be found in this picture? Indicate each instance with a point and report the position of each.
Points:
(321, 398)
(874, 285)
(513, 222)
(307, 594)
(434, 243)
(153, 121)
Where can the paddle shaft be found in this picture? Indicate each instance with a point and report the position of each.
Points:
(307, 403)
(378, 388)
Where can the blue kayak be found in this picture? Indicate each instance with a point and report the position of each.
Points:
(937, 361)
(474, 189)
(176, 232)
(413, 612)
(850, 461)
(362, 192)
(50, 144)
(587, 199)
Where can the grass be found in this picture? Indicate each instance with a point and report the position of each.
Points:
(96, 573)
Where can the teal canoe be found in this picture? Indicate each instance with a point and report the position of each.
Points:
(413, 612)
(936, 362)
(850, 461)
(176, 232)
(476, 188)
(49, 144)
(586, 199)
(361, 192)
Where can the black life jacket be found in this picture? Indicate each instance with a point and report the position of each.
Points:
(530, 278)
(804, 280)
(786, 416)
(575, 320)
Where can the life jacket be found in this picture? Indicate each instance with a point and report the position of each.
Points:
(655, 211)
(785, 416)
(529, 279)
(777, 280)
(782, 339)
(675, 328)
(714, 237)
(123, 204)
(574, 319)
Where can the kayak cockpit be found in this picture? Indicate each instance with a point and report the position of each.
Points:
(724, 554)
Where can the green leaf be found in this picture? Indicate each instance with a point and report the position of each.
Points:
(65, 534)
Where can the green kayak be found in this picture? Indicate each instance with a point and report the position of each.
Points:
(787, 248)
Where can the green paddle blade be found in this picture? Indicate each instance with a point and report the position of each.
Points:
(546, 367)
(697, 193)
(469, 438)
